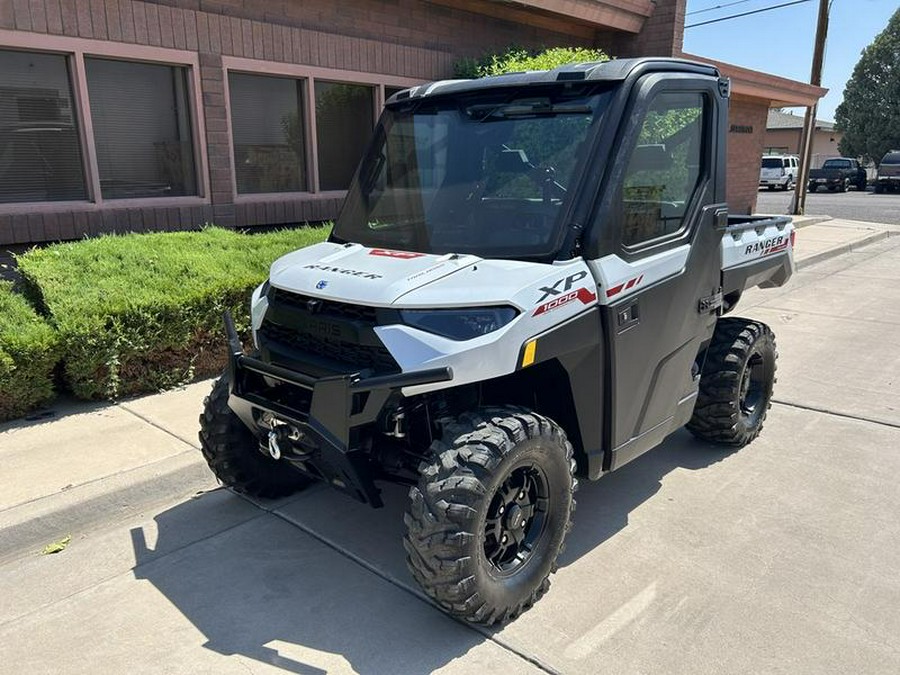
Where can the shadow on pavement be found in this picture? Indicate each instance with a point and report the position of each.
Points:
(265, 581)
(604, 505)
(265, 590)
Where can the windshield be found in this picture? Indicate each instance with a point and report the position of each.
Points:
(836, 164)
(771, 163)
(891, 158)
(489, 173)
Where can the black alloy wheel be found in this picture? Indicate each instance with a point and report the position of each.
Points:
(516, 518)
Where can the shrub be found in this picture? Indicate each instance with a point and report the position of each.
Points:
(143, 312)
(516, 59)
(29, 349)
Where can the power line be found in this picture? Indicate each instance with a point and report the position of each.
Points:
(713, 9)
(755, 11)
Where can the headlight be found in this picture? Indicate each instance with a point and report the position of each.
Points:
(459, 324)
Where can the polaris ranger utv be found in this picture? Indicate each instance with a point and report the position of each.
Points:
(526, 284)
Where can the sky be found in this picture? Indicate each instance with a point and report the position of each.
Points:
(781, 41)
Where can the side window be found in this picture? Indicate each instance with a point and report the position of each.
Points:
(664, 168)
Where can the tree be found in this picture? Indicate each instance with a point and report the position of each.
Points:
(869, 115)
(516, 60)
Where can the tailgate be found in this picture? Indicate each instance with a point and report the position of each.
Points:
(757, 251)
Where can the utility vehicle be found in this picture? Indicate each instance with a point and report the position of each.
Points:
(526, 283)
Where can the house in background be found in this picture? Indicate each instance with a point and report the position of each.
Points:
(783, 133)
(134, 115)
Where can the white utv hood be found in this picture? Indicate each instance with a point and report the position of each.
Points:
(355, 274)
(544, 296)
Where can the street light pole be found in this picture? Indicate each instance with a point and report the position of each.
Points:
(798, 203)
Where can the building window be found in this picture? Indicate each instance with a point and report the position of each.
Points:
(268, 133)
(142, 129)
(345, 117)
(40, 150)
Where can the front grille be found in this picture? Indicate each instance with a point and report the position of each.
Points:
(326, 308)
(294, 330)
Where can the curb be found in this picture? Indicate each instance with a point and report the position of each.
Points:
(25, 529)
(803, 221)
(843, 248)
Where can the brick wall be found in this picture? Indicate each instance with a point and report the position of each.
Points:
(663, 31)
(744, 153)
(405, 38)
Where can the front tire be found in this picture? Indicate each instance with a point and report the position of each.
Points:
(487, 520)
(736, 383)
(231, 450)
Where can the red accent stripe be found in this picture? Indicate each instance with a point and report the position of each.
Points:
(615, 290)
(586, 296)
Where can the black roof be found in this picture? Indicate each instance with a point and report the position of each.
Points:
(615, 70)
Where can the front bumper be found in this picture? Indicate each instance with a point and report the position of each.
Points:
(330, 413)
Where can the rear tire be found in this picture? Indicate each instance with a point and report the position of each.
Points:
(878, 189)
(232, 452)
(487, 520)
(736, 383)
(812, 188)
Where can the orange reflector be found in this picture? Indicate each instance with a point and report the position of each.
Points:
(528, 356)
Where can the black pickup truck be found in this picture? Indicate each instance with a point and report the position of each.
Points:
(838, 174)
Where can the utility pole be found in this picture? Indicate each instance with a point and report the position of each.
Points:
(798, 203)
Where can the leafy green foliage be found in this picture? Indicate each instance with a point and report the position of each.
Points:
(57, 546)
(29, 349)
(143, 312)
(517, 59)
(869, 115)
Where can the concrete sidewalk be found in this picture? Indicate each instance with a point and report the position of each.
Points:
(779, 558)
(91, 464)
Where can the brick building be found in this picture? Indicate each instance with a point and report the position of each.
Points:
(135, 115)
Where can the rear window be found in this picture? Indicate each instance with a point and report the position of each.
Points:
(771, 163)
(836, 164)
(891, 158)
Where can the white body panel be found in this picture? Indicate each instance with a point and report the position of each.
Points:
(545, 295)
(618, 278)
(743, 244)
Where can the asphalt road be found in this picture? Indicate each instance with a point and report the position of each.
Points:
(866, 206)
(781, 557)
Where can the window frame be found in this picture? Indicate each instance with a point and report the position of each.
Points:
(668, 240)
(75, 50)
(309, 75)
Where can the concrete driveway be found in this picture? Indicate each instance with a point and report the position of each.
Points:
(782, 557)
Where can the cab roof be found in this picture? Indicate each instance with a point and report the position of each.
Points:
(601, 71)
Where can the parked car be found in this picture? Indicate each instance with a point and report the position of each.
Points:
(888, 177)
(779, 171)
(838, 173)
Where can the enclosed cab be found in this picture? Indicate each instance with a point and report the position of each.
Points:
(527, 283)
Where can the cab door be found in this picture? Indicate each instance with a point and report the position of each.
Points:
(659, 274)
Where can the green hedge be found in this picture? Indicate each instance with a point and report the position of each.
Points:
(29, 349)
(143, 312)
(517, 60)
